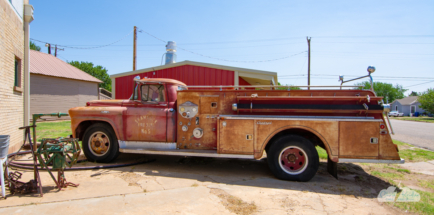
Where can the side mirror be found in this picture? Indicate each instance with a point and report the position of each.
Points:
(386, 108)
(135, 95)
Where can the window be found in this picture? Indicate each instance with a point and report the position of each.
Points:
(153, 93)
(17, 70)
(396, 107)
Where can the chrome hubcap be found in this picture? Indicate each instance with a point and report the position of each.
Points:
(99, 143)
(293, 160)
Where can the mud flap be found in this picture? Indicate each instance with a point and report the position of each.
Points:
(332, 168)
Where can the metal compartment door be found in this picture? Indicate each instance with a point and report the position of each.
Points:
(359, 139)
(236, 136)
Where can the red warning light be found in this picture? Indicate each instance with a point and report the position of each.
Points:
(382, 126)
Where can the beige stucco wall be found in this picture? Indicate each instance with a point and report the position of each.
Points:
(50, 94)
(11, 101)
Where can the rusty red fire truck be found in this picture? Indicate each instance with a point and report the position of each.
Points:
(166, 117)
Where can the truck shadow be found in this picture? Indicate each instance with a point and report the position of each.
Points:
(353, 179)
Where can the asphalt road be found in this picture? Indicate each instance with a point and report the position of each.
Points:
(420, 134)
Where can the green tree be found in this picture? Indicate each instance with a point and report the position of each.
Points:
(427, 100)
(388, 91)
(414, 94)
(285, 88)
(33, 46)
(96, 71)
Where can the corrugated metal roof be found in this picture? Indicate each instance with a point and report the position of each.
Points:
(408, 100)
(46, 64)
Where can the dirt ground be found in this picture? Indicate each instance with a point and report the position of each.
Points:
(180, 185)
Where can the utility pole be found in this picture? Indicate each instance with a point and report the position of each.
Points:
(308, 61)
(55, 50)
(135, 49)
(49, 47)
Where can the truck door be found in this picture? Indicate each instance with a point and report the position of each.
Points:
(146, 117)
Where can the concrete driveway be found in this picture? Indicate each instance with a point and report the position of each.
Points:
(179, 185)
(420, 134)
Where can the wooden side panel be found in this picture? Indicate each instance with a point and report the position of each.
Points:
(388, 150)
(355, 139)
(209, 104)
(234, 136)
(326, 131)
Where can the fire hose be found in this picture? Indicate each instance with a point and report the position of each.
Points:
(29, 166)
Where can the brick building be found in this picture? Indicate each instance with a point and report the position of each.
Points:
(15, 16)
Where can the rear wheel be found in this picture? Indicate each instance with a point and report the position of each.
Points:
(100, 143)
(293, 158)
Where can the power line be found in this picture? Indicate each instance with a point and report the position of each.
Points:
(419, 84)
(215, 58)
(377, 36)
(358, 76)
(95, 47)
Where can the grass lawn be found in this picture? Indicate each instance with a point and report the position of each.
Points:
(417, 119)
(52, 129)
(413, 154)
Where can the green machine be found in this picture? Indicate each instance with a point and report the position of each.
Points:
(59, 153)
(56, 152)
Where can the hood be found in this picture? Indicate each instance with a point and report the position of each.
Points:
(106, 103)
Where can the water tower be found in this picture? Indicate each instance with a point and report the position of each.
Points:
(171, 52)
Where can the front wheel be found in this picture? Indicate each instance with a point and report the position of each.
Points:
(100, 143)
(293, 158)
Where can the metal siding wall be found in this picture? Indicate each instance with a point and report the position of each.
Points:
(190, 75)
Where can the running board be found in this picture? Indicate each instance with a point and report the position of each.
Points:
(348, 160)
(187, 152)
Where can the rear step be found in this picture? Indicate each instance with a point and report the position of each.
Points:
(186, 152)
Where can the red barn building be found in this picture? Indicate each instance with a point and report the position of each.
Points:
(192, 73)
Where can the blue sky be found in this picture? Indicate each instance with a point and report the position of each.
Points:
(397, 37)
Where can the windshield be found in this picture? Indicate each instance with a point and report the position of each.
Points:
(153, 93)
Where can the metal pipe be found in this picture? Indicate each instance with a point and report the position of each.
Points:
(390, 125)
(28, 18)
(357, 78)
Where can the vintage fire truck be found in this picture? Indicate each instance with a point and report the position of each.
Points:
(166, 117)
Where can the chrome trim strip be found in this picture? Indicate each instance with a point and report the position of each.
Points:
(138, 145)
(349, 160)
(186, 152)
(307, 118)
